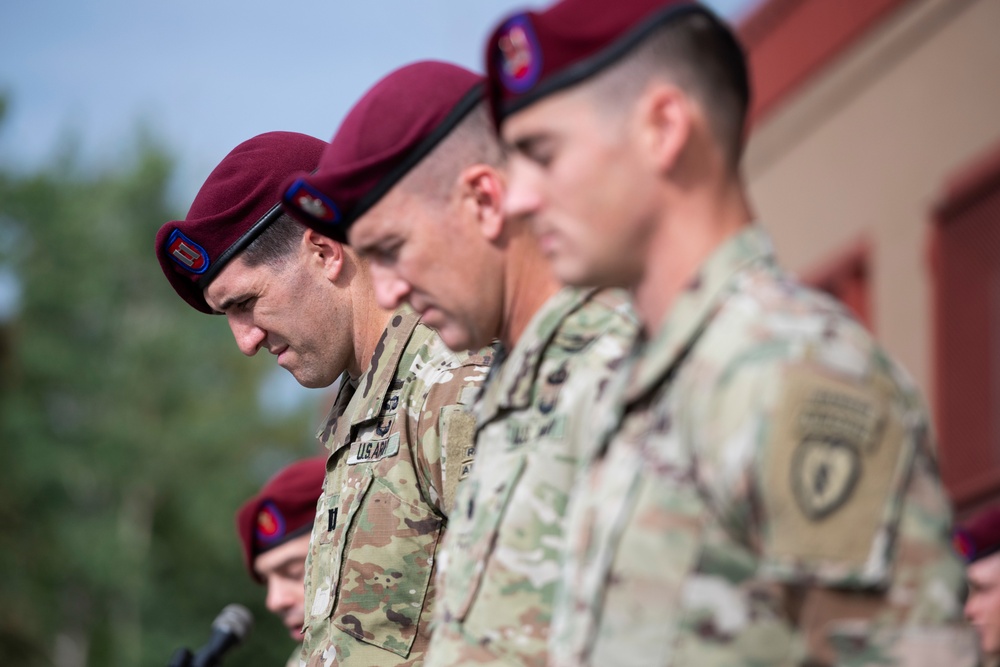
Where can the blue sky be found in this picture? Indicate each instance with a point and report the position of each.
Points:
(204, 75)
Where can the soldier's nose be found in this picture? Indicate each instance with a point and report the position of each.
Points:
(249, 337)
(390, 289)
(522, 197)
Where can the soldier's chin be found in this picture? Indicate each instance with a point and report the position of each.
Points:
(453, 335)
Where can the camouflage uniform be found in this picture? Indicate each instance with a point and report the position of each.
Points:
(502, 557)
(767, 494)
(398, 439)
(293, 660)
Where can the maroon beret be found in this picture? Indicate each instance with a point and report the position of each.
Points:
(532, 54)
(978, 537)
(238, 201)
(394, 126)
(283, 509)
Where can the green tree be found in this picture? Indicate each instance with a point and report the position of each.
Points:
(130, 431)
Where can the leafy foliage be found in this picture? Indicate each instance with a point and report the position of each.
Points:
(130, 431)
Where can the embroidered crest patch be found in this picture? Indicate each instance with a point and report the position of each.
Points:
(832, 464)
(312, 202)
(824, 473)
(518, 54)
(186, 253)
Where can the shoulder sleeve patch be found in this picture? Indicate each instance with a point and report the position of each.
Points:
(833, 460)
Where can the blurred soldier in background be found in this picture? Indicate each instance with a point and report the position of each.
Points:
(767, 490)
(978, 542)
(435, 237)
(400, 413)
(274, 528)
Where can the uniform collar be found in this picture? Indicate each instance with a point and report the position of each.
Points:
(375, 383)
(514, 378)
(695, 307)
(345, 392)
(363, 400)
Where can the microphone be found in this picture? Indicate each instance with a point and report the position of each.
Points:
(229, 628)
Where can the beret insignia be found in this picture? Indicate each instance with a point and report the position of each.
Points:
(519, 54)
(186, 253)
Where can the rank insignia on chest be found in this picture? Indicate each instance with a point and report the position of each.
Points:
(365, 451)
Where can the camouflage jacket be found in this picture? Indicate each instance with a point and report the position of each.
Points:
(397, 441)
(501, 561)
(767, 494)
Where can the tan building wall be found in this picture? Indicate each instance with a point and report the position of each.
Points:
(863, 149)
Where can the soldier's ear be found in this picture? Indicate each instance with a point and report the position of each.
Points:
(664, 118)
(324, 253)
(482, 198)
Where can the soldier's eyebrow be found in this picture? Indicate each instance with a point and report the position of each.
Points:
(283, 565)
(230, 302)
(389, 241)
(526, 144)
(365, 249)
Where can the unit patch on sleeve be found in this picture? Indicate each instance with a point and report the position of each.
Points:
(831, 462)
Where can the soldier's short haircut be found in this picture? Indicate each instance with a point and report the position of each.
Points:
(702, 58)
(473, 141)
(275, 244)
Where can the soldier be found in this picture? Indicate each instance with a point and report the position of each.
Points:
(398, 418)
(766, 490)
(978, 543)
(274, 529)
(435, 236)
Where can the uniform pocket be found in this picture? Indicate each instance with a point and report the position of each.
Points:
(387, 566)
(335, 513)
(478, 514)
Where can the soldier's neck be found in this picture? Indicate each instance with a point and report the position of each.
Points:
(370, 322)
(529, 283)
(681, 243)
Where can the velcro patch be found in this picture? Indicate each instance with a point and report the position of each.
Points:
(458, 447)
(366, 451)
(832, 461)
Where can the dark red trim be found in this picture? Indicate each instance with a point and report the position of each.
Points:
(967, 185)
(965, 189)
(845, 275)
(790, 41)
